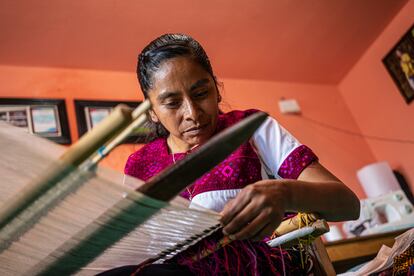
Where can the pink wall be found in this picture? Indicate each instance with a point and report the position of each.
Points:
(375, 102)
(341, 153)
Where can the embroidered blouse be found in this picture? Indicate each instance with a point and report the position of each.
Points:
(271, 152)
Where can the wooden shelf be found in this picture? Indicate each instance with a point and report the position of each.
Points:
(348, 253)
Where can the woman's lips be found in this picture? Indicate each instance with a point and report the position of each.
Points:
(196, 130)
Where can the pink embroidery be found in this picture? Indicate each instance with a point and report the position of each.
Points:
(149, 160)
(297, 160)
(227, 171)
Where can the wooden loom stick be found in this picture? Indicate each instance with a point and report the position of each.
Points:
(139, 118)
(127, 214)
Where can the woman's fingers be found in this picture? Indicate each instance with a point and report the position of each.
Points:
(250, 230)
(254, 213)
(241, 219)
(233, 207)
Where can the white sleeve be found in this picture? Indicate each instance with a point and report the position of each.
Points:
(273, 144)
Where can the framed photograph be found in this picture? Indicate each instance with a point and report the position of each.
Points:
(42, 117)
(400, 64)
(90, 113)
(45, 121)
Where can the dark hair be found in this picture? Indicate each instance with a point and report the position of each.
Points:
(166, 47)
(161, 49)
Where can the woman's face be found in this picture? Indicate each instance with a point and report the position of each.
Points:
(184, 100)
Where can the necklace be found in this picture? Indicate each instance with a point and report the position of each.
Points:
(188, 190)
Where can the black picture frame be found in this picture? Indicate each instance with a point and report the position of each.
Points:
(43, 117)
(399, 63)
(88, 111)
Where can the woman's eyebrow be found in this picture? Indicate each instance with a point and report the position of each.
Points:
(199, 83)
(166, 95)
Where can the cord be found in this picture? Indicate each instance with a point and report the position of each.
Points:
(372, 137)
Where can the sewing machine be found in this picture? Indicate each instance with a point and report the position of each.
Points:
(389, 212)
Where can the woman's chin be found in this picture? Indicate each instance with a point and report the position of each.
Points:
(196, 141)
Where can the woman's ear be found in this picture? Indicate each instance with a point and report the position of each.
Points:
(218, 98)
(153, 116)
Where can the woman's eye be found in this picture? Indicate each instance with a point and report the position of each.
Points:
(172, 104)
(201, 94)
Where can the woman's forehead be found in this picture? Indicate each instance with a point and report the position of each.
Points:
(179, 73)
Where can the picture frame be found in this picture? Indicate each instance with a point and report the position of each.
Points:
(43, 117)
(399, 63)
(90, 112)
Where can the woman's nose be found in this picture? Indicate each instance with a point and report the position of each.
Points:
(191, 110)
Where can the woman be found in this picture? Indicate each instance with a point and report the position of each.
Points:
(176, 75)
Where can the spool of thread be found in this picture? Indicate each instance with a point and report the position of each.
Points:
(378, 179)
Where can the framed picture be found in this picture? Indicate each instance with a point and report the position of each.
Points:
(90, 113)
(42, 117)
(400, 64)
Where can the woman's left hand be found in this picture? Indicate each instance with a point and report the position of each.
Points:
(256, 211)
